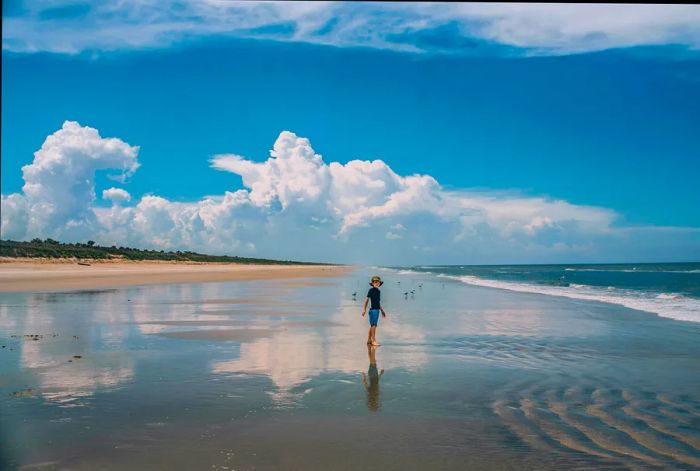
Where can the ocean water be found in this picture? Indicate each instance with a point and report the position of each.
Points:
(667, 289)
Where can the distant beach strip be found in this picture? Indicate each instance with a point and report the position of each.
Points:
(35, 276)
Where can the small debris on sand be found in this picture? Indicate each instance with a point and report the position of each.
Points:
(77, 356)
(24, 393)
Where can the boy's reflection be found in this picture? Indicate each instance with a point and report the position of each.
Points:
(371, 380)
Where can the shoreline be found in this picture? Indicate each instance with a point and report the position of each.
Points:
(28, 275)
(664, 302)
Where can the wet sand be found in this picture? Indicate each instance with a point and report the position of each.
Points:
(58, 275)
(275, 374)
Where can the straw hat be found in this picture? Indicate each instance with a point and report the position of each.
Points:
(376, 278)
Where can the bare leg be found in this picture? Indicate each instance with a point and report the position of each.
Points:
(374, 336)
(369, 336)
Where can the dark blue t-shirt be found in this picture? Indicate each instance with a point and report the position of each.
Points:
(373, 295)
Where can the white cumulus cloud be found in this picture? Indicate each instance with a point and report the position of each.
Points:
(296, 205)
(116, 195)
(59, 185)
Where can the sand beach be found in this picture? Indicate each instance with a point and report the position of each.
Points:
(263, 373)
(68, 274)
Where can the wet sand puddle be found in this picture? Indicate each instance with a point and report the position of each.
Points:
(278, 376)
(514, 351)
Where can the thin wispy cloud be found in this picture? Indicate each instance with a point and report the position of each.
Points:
(461, 28)
(298, 204)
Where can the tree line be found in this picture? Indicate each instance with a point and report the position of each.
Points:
(49, 248)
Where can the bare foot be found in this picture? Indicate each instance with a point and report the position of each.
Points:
(376, 344)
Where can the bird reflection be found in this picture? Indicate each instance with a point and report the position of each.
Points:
(371, 380)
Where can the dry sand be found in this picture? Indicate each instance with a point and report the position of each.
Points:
(66, 274)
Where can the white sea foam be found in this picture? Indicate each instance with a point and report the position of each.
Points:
(409, 272)
(671, 305)
(633, 270)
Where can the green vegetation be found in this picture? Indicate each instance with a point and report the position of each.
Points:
(50, 248)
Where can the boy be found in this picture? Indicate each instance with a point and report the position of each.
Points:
(373, 295)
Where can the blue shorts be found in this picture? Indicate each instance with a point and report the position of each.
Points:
(373, 317)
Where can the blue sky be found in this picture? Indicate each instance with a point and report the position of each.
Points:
(610, 128)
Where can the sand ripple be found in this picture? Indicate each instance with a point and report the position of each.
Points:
(522, 352)
(602, 427)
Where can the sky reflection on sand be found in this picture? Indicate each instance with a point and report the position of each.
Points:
(104, 327)
(293, 356)
(496, 373)
(309, 328)
(63, 363)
